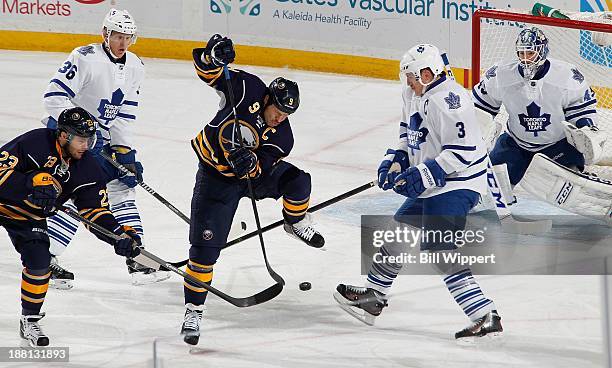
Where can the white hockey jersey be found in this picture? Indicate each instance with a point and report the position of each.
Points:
(108, 90)
(442, 125)
(536, 108)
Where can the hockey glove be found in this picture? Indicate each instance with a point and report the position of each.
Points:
(219, 51)
(129, 244)
(395, 161)
(243, 161)
(43, 191)
(127, 157)
(414, 181)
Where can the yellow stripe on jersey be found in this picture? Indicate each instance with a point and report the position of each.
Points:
(295, 208)
(5, 212)
(24, 212)
(193, 288)
(5, 175)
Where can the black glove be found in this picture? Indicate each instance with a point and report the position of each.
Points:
(128, 245)
(219, 50)
(243, 161)
(43, 193)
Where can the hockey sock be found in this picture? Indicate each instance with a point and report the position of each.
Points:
(382, 275)
(295, 210)
(34, 285)
(126, 213)
(61, 229)
(193, 293)
(466, 291)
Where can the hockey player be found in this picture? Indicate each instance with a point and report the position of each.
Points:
(224, 165)
(40, 170)
(440, 166)
(551, 110)
(103, 79)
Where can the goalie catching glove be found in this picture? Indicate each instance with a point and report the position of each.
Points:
(587, 139)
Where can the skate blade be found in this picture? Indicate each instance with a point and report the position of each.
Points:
(358, 313)
(490, 339)
(139, 278)
(61, 284)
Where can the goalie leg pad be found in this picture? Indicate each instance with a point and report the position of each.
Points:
(570, 190)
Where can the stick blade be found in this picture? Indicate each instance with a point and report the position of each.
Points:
(261, 297)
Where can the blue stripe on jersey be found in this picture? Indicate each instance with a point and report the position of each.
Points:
(126, 116)
(478, 161)
(578, 107)
(484, 103)
(464, 178)
(51, 94)
(463, 161)
(490, 112)
(581, 113)
(64, 87)
(458, 147)
(130, 103)
(403, 135)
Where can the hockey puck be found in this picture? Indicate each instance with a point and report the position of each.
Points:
(243, 225)
(304, 286)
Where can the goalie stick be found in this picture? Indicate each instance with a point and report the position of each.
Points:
(150, 260)
(278, 223)
(509, 224)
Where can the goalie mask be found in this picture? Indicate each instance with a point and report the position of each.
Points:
(532, 50)
(423, 56)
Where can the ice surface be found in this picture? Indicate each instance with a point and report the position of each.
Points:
(342, 130)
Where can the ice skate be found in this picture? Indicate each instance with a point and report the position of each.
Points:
(488, 325)
(61, 278)
(30, 330)
(305, 231)
(191, 324)
(143, 275)
(365, 304)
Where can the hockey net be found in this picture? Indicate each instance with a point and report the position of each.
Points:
(583, 40)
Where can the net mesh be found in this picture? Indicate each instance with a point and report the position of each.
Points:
(589, 50)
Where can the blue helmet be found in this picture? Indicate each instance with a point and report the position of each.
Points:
(531, 40)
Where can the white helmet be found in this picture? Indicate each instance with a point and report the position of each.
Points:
(421, 57)
(120, 21)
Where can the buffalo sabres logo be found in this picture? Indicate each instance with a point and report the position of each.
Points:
(453, 101)
(577, 75)
(420, 49)
(228, 136)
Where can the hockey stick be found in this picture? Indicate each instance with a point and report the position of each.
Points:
(230, 91)
(508, 223)
(153, 261)
(278, 223)
(157, 196)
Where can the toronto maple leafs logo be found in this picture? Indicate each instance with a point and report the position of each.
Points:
(415, 135)
(534, 122)
(86, 50)
(109, 109)
(453, 101)
(577, 75)
(491, 72)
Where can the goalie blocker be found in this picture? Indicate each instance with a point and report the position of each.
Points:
(576, 192)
